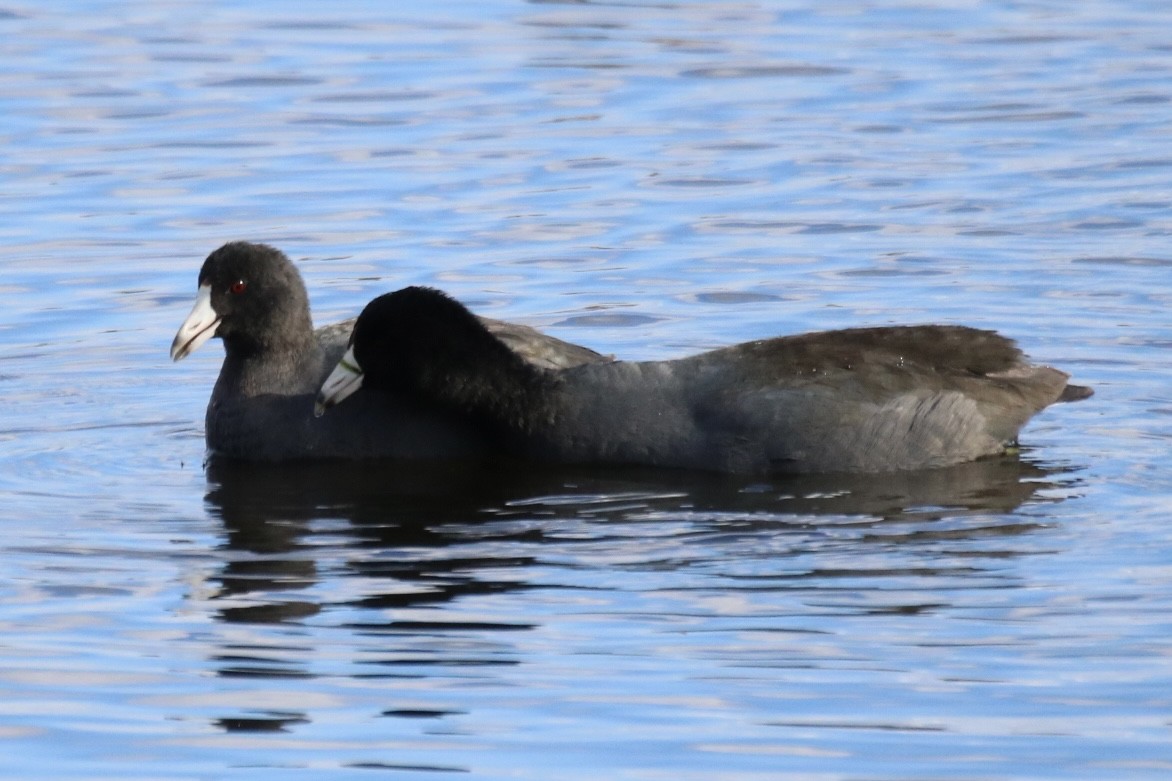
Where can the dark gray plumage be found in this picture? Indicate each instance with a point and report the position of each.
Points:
(261, 409)
(857, 400)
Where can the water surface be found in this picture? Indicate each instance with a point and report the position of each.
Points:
(650, 179)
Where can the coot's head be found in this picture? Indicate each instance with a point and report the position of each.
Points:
(417, 339)
(252, 297)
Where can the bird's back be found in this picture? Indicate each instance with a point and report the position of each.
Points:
(859, 400)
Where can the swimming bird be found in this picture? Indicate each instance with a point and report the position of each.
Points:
(261, 409)
(854, 400)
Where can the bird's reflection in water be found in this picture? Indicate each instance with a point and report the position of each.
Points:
(425, 534)
(274, 514)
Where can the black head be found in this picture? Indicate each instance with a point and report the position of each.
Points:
(420, 339)
(258, 296)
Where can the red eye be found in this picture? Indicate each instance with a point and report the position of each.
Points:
(238, 287)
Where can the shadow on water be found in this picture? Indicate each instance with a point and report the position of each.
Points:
(404, 536)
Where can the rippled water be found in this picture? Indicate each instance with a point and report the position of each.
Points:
(650, 179)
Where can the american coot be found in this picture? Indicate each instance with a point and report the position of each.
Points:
(856, 400)
(261, 409)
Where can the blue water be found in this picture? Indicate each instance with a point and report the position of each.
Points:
(650, 179)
